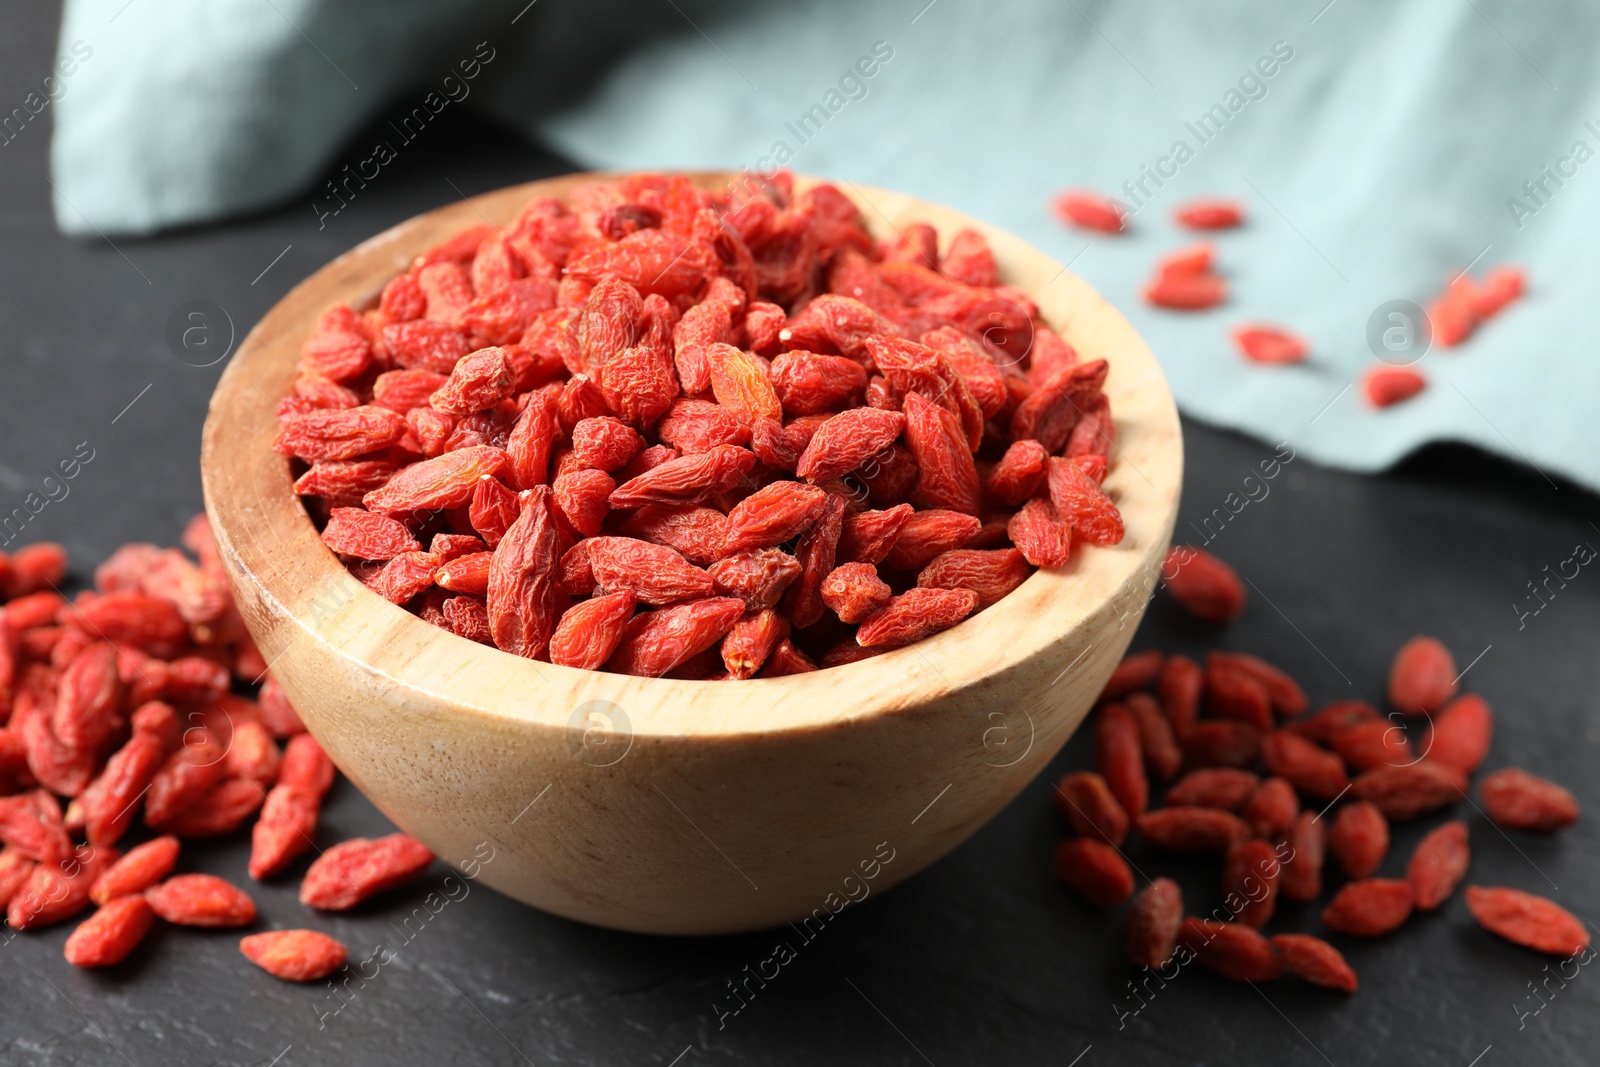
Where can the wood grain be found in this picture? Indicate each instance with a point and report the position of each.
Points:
(672, 806)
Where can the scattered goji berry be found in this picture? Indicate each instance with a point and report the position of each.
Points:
(1202, 584)
(1409, 790)
(201, 900)
(1359, 838)
(1438, 864)
(1225, 788)
(1233, 950)
(1271, 809)
(1313, 960)
(1086, 802)
(1136, 671)
(1383, 385)
(108, 936)
(1162, 754)
(1209, 213)
(1517, 800)
(1119, 755)
(1089, 210)
(1423, 677)
(139, 868)
(1460, 734)
(1250, 874)
(1527, 920)
(1302, 867)
(1095, 870)
(1369, 907)
(294, 955)
(1192, 829)
(1154, 922)
(1269, 344)
(358, 869)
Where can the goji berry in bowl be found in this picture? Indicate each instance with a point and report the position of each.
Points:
(674, 804)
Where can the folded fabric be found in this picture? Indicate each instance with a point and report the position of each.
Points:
(1380, 148)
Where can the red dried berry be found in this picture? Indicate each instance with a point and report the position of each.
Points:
(1082, 504)
(1271, 809)
(1119, 756)
(1423, 677)
(1438, 864)
(356, 870)
(1268, 344)
(1527, 920)
(1312, 770)
(1089, 210)
(201, 900)
(1250, 873)
(655, 642)
(1460, 734)
(139, 869)
(1231, 693)
(108, 936)
(1314, 960)
(1192, 829)
(1136, 671)
(915, 614)
(1517, 800)
(1370, 907)
(1178, 687)
(1202, 584)
(1162, 754)
(1209, 214)
(1096, 871)
(1225, 788)
(1232, 950)
(1302, 865)
(1086, 802)
(1153, 924)
(294, 955)
(853, 591)
(1221, 743)
(1359, 838)
(1186, 292)
(1407, 791)
(1383, 385)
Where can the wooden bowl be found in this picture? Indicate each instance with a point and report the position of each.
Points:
(669, 806)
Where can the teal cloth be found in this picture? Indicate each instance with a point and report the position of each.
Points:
(1392, 144)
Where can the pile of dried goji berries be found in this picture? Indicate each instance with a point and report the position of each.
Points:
(1186, 280)
(1355, 769)
(657, 430)
(126, 701)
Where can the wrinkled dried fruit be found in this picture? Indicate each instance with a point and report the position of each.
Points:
(1119, 755)
(1086, 802)
(1154, 922)
(358, 869)
(1233, 950)
(139, 869)
(294, 955)
(1423, 677)
(201, 900)
(1314, 960)
(1370, 907)
(110, 934)
(1225, 788)
(1517, 800)
(1527, 920)
(1359, 838)
(1407, 791)
(1438, 864)
(1095, 870)
(1192, 829)
(1250, 873)
(1202, 584)
(1302, 866)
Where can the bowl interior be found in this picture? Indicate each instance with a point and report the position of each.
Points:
(267, 536)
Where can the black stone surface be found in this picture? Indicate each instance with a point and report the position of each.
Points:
(982, 959)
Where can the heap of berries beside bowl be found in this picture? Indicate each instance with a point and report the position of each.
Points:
(665, 431)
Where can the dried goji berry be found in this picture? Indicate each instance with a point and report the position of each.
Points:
(1192, 829)
(1369, 907)
(1162, 754)
(1231, 693)
(867, 536)
(1314, 960)
(1423, 677)
(1089, 210)
(221, 811)
(589, 630)
(108, 936)
(1269, 344)
(1137, 670)
(1517, 800)
(1086, 802)
(524, 596)
(1095, 870)
(991, 573)
(1186, 292)
(139, 869)
(1209, 213)
(1221, 743)
(1359, 838)
(1302, 867)
(1202, 584)
(55, 892)
(751, 641)
(655, 574)
(929, 534)
(915, 614)
(1438, 864)
(772, 515)
(1233, 950)
(1154, 922)
(854, 591)
(446, 481)
(1527, 920)
(201, 900)
(1250, 873)
(356, 870)
(1271, 809)
(1459, 735)
(1312, 769)
(294, 955)
(1178, 687)
(1051, 412)
(1371, 743)
(816, 552)
(1226, 788)
(1409, 790)
(655, 642)
(1383, 385)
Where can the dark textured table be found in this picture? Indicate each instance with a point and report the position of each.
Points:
(983, 959)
